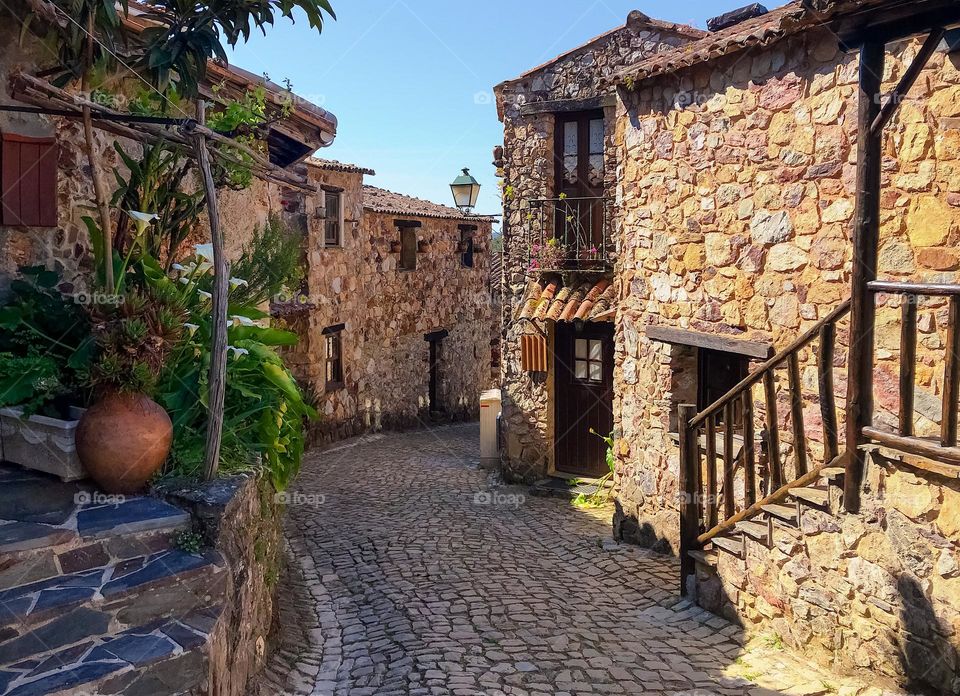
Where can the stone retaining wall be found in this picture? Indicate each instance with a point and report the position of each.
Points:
(877, 592)
(241, 519)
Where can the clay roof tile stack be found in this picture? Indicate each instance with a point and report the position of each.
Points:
(586, 300)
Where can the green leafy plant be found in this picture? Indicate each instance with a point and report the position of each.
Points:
(153, 183)
(271, 264)
(601, 494)
(188, 541)
(39, 320)
(31, 382)
(264, 409)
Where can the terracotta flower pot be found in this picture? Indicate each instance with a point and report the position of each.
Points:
(122, 440)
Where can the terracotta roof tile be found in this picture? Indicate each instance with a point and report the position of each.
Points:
(335, 166)
(587, 300)
(380, 200)
(759, 31)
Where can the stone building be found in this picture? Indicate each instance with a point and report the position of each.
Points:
(559, 168)
(732, 164)
(395, 321)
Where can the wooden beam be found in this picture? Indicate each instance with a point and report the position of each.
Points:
(917, 17)
(561, 106)
(865, 246)
(686, 337)
(922, 447)
(221, 274)
(893, 101)
(923, 289)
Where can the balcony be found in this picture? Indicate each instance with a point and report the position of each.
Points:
(570, 234)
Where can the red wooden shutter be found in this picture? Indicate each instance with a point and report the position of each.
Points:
(28, 179)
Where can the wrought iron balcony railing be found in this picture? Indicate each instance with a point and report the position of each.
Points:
(570, 234)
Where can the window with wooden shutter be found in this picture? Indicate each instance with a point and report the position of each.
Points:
(533, 353)
(28, 181)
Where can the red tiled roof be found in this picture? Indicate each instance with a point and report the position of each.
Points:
(588, 300)
(765, 30)
(335, 166)
(380, 200)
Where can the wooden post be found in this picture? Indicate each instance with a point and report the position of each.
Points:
(218, 350)
(865, 244)
(729, 461)
(749, 449)
(951, 377)
(796, 415)
(908, 362)
(773, 429)
(828, 399)
(710, 501)
(689, 505)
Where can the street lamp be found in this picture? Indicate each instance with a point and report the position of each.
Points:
(466, 190)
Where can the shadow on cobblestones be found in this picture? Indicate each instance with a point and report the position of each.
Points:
(416, 573)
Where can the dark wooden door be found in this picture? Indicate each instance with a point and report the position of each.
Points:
(718, 373)
(584, 397)
(579, 141)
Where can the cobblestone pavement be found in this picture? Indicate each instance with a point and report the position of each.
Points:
(412, 574)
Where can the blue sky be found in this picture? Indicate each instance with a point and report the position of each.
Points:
(411, 80)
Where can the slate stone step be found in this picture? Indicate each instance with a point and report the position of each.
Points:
(786, 513)
(814, 496)
(729, 544)
(755, 530)
(130, 591)
(160, 657)
(707, 558)
(832, 473)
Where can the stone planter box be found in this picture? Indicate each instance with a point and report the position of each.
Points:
(41, 443)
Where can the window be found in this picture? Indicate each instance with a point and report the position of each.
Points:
(588, 360)
(28, 181)
(466, 245)
(333, 338)
(333, 219)
(408, 244)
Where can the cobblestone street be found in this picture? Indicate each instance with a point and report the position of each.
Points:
(411, 574)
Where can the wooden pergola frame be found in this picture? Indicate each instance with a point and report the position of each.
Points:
(193, 134)
(870, 33)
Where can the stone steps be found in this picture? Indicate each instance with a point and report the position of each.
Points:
(819, 497)
(162, 657)
(93, 596)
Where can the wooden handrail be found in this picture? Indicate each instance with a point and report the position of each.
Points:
(774, 497)
(805, 339)
(926, 289)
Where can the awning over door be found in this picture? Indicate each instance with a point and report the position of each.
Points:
(586, 300)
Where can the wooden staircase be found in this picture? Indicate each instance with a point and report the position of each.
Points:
(734, 462)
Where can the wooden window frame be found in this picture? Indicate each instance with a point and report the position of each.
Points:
(337, 223)
(333, 373)
(467, 236)
(407, 230)
(29, 197)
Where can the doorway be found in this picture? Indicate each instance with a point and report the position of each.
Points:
(435, 341)
(583, 396)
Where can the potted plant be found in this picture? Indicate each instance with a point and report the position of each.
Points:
(125, 436)
(550, 256)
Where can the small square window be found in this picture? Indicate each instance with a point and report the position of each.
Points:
(588, 360)
(581, 348)
(582, 369)
(28, 181)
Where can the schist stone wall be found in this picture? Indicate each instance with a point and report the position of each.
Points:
(737, 205)
(386, 312)
(527, 168)
(737, 210)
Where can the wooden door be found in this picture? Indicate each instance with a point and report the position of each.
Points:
(584, 397)
(579, 142)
